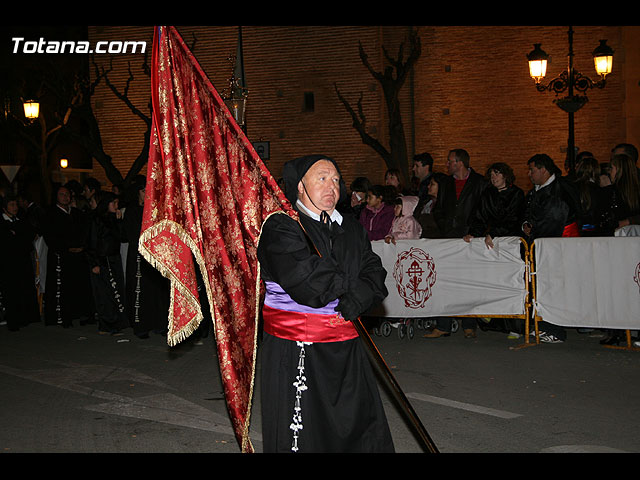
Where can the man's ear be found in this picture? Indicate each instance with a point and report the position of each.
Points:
(300, 188)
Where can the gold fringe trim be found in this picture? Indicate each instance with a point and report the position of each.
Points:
(176, 229)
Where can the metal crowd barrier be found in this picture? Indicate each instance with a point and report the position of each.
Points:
(421, 263)
(587, 282)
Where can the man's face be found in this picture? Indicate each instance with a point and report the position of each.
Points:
(538, 175)
(63, 197)
(12, 207)
(453, 165)
(319, 189)
(419, 170)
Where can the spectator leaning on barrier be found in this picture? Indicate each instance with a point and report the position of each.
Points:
(404, 225)
(552, 209)
(463, 190)
(552, 206)
(500, 209)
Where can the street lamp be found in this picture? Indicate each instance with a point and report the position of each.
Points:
(31, 109)
(236, 99)
(235, 96)
(570, 80)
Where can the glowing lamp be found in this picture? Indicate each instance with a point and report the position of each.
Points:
(31, 109)
(537, 63)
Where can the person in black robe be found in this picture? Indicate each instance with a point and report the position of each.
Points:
(105, 260)
(147, 291)
(18, 295)
(67, 294)
(318, 390)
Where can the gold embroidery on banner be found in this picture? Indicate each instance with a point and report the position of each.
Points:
(203, 205)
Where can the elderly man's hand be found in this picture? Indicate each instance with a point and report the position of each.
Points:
(348, 308)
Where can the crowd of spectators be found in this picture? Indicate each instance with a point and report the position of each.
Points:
(74, 247)
(592, 199)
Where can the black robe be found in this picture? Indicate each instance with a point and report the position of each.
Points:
(18, 296)
(147, 291)
(68, 294)
(103, 250)
(341, 408)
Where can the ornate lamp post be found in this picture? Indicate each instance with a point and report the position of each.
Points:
(235, 97)
(570, 81)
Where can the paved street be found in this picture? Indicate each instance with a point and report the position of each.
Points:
(73, 390)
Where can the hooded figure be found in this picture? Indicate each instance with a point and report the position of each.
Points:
(319, 273)
(404, 226)
(147, 291)
(105, 260)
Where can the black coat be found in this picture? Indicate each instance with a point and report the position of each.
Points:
(596, 204)
(17, 282)
(551, 208)
(458, 210)
(498, 213)
(105, 237)
(616, 210)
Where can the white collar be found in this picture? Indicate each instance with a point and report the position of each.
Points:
(7, 217)
(335, 216)
(62, 208)
(550, 179)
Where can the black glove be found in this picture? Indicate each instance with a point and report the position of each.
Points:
(348, 308)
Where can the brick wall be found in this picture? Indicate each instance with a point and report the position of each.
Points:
(475, 93)
(471, 90)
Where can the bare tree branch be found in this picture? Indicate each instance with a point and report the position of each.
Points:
(396, 155)
(359, 123)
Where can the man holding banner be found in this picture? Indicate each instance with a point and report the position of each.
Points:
(318, 390)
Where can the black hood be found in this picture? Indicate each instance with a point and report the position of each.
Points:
(294, 170)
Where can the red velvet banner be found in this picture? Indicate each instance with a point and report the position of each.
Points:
(207, 196)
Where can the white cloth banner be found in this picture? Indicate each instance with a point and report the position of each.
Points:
(450, 277)
(588, 281)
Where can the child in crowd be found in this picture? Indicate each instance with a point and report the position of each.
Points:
(378, 215)
(404, 225)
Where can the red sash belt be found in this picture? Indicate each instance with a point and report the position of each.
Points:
(571, 230)
(307, 327)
